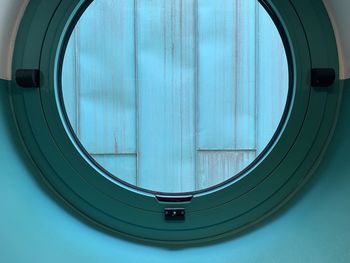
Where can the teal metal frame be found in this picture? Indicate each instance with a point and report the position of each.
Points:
(210, 215)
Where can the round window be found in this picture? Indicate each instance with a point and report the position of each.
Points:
(175, 96)
(175, 121)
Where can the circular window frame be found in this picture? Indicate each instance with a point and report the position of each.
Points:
(212, 214)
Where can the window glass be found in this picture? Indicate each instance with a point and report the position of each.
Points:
(175, 95)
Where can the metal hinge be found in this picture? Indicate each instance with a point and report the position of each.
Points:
(28, 78)
(322, 77)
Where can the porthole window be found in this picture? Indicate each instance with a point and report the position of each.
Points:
(175, 121)
(175, 96)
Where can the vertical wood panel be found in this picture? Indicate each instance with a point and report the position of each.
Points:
(226, 88)
(216, 74)
(272, 85)
(166, 82)
(215, 167)
(122, 166)
(69, 89)
(107, 77)
(245, 75)
(226, 74)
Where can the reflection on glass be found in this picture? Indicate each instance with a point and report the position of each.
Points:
(175, 95)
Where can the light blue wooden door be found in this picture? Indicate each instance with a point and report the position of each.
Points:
(175, 95)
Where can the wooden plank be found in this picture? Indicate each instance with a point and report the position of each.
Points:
(69, 88)
(105, 51)
(226, 33)
(166, 82)
(272, 82)
(215, 167)
(123, 166)
(245, 74)
(216, 74)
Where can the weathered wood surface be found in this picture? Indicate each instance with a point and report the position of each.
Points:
(175, 95)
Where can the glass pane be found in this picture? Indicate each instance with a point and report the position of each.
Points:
(175, 95)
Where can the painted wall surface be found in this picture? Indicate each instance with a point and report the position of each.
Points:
(11, 12)
(34, 227)
(339, 13)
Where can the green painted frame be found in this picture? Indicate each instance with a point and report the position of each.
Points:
(209, 215)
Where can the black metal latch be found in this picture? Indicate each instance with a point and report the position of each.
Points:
(28, 78)
(174, 214)
(322, 77)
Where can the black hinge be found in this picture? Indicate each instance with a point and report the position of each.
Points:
(322, 77)
(28, 78)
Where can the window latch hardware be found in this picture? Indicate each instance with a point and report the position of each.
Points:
(174, 199)
(174, 214)
(28, 78)
(322, 77)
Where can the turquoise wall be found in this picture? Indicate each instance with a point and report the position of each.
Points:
(34, 227)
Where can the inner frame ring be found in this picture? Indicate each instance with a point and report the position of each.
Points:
(233, 178)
